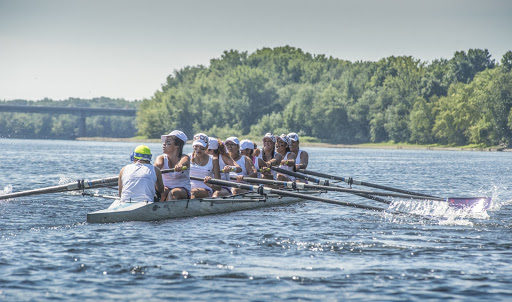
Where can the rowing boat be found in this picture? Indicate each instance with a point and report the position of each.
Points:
(152, 211)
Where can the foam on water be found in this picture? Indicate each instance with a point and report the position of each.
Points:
(6, 190)
(440, 210)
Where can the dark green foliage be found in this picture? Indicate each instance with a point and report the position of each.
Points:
(465, 99)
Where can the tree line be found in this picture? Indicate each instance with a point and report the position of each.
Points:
(66, 126)
(466, 99)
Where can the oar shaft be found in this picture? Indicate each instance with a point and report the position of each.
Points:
(299, 175)
(349, 180)
(79, 185)
(290, 184)
(286, 193)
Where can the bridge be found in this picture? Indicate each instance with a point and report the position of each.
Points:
(83, 112)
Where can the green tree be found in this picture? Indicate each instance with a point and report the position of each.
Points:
(506, 61)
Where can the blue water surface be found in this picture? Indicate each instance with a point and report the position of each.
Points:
(308, 251)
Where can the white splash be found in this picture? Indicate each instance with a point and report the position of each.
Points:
(66, 180)
(441, 210)
(6, 190)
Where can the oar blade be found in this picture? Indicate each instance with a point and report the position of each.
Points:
(469, 202)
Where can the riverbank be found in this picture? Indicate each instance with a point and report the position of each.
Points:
(386, 145)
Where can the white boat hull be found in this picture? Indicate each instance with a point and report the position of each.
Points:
(149, 211)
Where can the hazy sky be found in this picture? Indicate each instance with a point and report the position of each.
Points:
(126, 49)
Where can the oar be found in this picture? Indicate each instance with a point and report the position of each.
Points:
(457, 202)
(324, 182)
(265, 190)
(78, 185)
(351, 181)
(299, 185)
(172, 170)
(99, 195)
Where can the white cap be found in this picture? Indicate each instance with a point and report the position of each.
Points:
(271, 136)
(246, 144)
(293, 137)
(213, 144)
(202, 136)
(199, 142)
(232, 139)
(179, 134)
(284, 138)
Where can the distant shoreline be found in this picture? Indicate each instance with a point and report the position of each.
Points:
(326, 145)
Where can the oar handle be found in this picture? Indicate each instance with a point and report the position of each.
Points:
(171, 170)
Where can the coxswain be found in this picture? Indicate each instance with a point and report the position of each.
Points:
(140, 181)
(177, 183)
(204, 166)
(302, 158)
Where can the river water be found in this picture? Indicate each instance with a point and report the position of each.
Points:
(307, 251)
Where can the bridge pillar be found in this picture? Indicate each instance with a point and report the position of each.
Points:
(81, 125)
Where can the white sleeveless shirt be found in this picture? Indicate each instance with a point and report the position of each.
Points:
(175, 179)
(222, 164)
(201, 171)
(297, 159)
(241, 163)
(286, 167)
(138, 183)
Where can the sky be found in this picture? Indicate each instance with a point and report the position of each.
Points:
(126, 49)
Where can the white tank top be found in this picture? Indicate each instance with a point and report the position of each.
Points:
(297, 159)
(222, 164)
(241, 163)
(138, 183)
(175, 179)
(286, 167)
(201, 171)
(256, 162)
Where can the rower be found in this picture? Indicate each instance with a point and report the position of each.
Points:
(301, 161)
(268, 156)
(177, 183)
(217, 149)
(247, 149)
(139, 181)
(204, 166)
(288, 161)
(248, 169)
